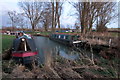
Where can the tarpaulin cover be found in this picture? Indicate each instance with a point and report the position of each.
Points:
(17, 41)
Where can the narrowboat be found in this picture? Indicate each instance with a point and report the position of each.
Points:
(24, 50)
(67, 39)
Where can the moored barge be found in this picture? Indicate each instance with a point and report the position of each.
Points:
(67, 39)
(24, 50)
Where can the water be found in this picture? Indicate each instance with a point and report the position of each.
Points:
(47, 47)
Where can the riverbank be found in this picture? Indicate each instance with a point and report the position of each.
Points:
(44, 34)
(41, 35)
(7, 42)
(58, 67)
(61, 68)
(98, 41)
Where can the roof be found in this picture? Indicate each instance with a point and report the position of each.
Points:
(30, 42)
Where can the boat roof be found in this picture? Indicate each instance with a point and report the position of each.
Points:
(26, 36)
(30, 42)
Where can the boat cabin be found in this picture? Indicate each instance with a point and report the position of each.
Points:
(23, 50)
(66, 37)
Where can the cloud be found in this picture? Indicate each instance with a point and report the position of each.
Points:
(10, 1)
(66, 18)
(7, 5)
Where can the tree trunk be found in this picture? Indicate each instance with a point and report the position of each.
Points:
(90, 26)
(45, 27)
(58, 22)
(56, 15)
(33, 27)
(53, 16)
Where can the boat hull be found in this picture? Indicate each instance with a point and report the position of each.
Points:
(24, 57)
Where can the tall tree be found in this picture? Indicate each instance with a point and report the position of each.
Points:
(59, 12)
(88, 12)
(33, 11)
(21, 20)
(106, 13)
(53, 16)
(13, 17)
(17, 19)
(83, 10)
(56, 13)
(47, 16)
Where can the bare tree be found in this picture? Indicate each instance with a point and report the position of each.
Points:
(13, 18)
(59, 11)
(53, 16)
(17, 19)
(83, 9)
(106, 13)
(33, 11)
(21, 20)
(56, 13)
(47, 16)
(88, 12)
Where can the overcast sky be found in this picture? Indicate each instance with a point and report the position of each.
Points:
(66, 18)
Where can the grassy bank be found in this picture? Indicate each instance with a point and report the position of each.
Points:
(45, 33)
(7, 42)
(42, 33)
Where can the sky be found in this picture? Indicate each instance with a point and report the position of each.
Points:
(66, 18)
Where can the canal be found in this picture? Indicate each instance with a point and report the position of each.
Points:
(49, 48)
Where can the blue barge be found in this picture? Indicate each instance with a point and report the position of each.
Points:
(67, 39)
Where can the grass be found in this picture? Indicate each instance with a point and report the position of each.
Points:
(31, 32)
(7, 42)
(110, 67)
(113, 34)
(43, 33)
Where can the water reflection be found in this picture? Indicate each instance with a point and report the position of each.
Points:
(68, 56)
(46, 46)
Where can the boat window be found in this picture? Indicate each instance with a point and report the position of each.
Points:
(78, 37)
(72, 37)
(64, 37)
(59, 36)
(54, 36)
(23, 46)
(67, 37)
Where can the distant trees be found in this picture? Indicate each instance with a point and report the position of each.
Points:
(44, 12)
(97, 14)
(90, 12)
(105, 14)
(33, 11)
(21, 20)
(17, 19)
(47, 16)
(13, 17)
(77, 27)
